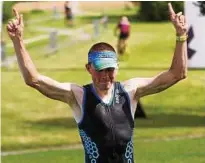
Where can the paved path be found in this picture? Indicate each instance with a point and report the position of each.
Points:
(78, 33)
(64, 31)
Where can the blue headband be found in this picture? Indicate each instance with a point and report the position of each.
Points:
(101, 54)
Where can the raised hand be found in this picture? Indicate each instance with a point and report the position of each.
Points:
(178, 20)
(15, 26)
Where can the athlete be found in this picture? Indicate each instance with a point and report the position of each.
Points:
(123, 28)
(104, 109)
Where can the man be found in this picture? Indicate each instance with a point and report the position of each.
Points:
(123, 27)
(104, 110)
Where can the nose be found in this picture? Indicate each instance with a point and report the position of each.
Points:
(105, 73)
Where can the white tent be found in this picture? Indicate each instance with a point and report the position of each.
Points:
(196, 40)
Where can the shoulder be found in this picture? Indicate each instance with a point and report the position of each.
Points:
(131, 85)
(128, 88)
(128, 85)
(75, 96)
(77, 89)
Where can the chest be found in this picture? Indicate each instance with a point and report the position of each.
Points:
(117, 112)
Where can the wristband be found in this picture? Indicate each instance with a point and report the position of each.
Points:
(181, 38)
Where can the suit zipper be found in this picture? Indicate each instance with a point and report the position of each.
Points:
(111, 123)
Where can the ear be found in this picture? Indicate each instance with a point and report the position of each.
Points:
(88, 66)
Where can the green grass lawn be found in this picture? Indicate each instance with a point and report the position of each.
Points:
(30, 120)
(173, 151)
(35, 121)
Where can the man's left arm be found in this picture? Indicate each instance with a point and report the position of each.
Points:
(177, 70)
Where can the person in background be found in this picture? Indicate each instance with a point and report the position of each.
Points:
(122, 30)
(68, 14)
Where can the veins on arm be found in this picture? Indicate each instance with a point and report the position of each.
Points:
(146, 86)
(156, 84)
(55, 90)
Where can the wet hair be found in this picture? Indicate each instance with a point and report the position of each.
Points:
(101, 46)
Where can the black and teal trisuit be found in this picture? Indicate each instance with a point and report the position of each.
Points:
(106, 129)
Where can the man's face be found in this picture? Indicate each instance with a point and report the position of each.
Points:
(102, 79)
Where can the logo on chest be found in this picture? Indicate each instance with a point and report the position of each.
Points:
(117, 96)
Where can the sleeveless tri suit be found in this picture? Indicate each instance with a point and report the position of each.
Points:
(106, 129)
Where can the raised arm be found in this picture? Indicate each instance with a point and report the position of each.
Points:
(177, 70)
(47, 86)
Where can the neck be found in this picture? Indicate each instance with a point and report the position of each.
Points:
(103, 93)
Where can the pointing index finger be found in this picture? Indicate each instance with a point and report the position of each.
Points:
(171, 11)
(16, 13)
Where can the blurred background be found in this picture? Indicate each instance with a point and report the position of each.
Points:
(58, 36)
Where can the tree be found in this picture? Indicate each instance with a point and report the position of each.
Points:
(157, 10)
(7, 10)
(201, 5)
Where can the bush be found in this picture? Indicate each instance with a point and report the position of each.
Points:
(157, 10)
(7, 10)
(36, 11)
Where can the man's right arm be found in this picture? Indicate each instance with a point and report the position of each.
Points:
(64, 92)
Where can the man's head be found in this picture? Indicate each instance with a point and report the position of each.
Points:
(102, 65)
